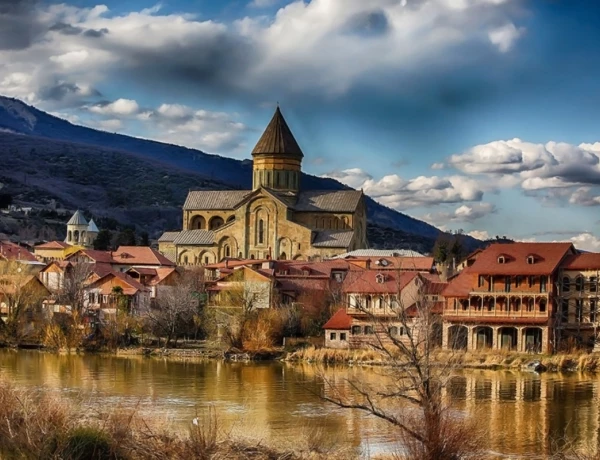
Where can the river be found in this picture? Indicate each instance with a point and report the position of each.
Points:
(279, 403)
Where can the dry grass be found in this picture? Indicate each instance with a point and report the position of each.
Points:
(488, 359)
(36, 425)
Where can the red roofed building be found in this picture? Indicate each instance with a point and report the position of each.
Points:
(505, 298)
(337, 330)
(578, 306)
(15, 252)
(382, 304)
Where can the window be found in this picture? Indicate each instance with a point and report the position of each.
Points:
(579, 283)
(480, 281)
(593, 307)
(579, 310)
(185, 260)
(393, 301)
(543, 305)
(402, 331)
(566, 284)
(332, 336)
(105, 299)
(368, 330)
(593, 283)
(518, 280)
(356, 330)
(393, 331)
(564, 310)
(342, 336)
(261, 231)
(501, 259)
(530, 305)
(507, 283)
(530, 260)
(368, 302)
(531, 281)
(517, 304)
(543, 283)
(206, 260)
(380, 302)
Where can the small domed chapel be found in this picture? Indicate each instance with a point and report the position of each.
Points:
(276, 219)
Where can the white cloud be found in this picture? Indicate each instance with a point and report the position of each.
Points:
(479, 234)
(120, 107)
(587, 242)
(110, 125)
(504, 37)
(463, 213)
(583, 196)
(535, 167)
(398, 193)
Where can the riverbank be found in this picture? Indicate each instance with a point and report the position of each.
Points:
(489, 360)
(45, 425)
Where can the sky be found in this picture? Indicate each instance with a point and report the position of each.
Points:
(473, 115)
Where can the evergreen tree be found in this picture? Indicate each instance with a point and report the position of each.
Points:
(126, 238)
(144, 239)
(102, 241)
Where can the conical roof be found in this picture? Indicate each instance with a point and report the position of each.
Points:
(277, 139)
(77, 219)
(92, 227)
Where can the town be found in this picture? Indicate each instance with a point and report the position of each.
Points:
(256, 268)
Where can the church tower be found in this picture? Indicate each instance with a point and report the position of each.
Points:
(277, 157)
(77, 230)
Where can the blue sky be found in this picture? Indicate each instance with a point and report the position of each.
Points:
(479, 115)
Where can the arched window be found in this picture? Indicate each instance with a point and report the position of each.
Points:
(216, 222)
(283, 256)
(70, 236)
(185, 260)
(227, 251)
(76, 236)
(198, 223)
(261, 231)
(579, 283)
(566, 284)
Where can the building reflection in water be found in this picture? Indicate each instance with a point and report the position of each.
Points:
(522, 413)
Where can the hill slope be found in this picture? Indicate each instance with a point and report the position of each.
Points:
(128, 178)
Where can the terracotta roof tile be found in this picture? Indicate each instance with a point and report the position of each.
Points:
(583, 261)
(367, 282)
(339, 321)
(139, 255)
(548, 256)
(12, 251)
(53, 245)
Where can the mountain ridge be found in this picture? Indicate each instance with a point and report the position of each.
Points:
(211, 171)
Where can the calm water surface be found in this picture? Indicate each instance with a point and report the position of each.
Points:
(278, 402)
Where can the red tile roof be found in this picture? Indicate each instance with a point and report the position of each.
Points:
(140, 255)
(53, 245)
(12, 251)
(366, 281)
(548, 256)
(585, 261)
(422, 264)
(339, 321)
(102, 257)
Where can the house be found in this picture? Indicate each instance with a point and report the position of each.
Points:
(243, 288)
(505, 298)
(117, 290)
(578, 314)
(381, 305)
(10, 251)
(126, 257)
(383, 263)
(158, 280)
(20, 290)
(53, 250)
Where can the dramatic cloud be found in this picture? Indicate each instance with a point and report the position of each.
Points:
(398, 193)
(463, 214)
(19, 24)
(118, 107)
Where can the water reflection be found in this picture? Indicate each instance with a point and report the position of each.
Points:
(522, 412)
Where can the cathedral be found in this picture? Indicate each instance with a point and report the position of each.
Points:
(276, 219)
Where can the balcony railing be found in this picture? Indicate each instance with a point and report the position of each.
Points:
(484, 292)
(484, 312)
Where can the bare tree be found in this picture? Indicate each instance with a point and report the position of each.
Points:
(19, 291)
(410, 393)
(72, 289)
(177, 305)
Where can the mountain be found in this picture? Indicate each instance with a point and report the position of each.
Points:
(131, 179)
